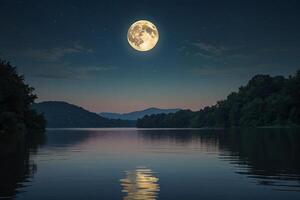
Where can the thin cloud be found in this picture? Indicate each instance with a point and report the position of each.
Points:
(210, 70)
(237, 69)
(205, 50)
(209, 49)
(65, 71)
(56, 53)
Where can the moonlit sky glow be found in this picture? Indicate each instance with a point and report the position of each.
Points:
(77, 51)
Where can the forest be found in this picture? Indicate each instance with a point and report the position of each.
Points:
(264, 101)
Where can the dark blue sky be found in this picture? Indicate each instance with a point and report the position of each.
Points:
(77, 51)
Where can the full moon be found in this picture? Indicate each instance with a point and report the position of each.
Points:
(142, 35)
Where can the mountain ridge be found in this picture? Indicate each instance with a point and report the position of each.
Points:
(138, 114)
(61, 114)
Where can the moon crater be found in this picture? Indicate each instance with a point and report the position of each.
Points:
(142, 35)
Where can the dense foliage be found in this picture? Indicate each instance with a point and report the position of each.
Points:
(264, 101)
(16, 98)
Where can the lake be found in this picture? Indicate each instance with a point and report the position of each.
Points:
(155, 164)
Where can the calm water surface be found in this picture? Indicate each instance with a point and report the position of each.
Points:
(155, 164)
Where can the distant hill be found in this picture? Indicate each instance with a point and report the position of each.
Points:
(60, 114)
(137, 114)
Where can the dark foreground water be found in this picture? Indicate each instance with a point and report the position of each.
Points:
(155, 164)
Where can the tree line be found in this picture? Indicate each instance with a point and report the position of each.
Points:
(264, 101)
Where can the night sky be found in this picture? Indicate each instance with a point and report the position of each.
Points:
(77, 51)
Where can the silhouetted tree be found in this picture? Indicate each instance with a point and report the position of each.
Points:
(16, 98)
